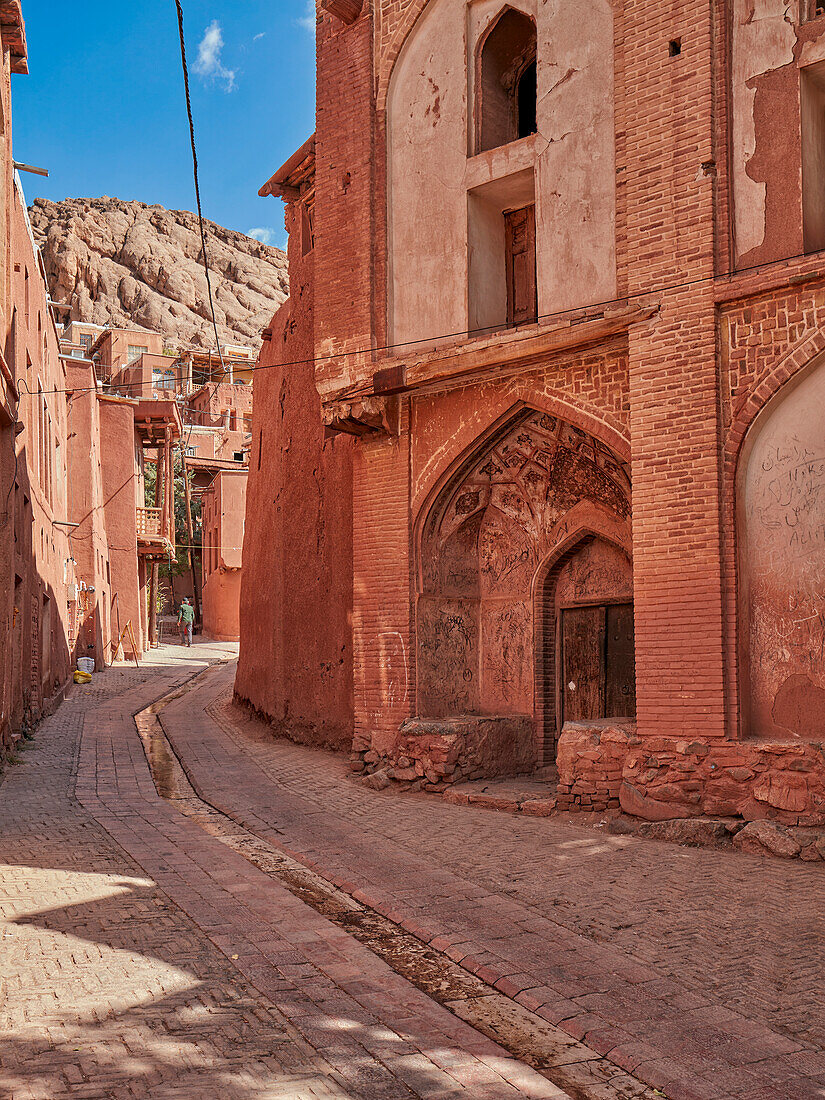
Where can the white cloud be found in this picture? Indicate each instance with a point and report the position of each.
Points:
(309, 19)
(255, 37)
(262, 234)
(208, 64)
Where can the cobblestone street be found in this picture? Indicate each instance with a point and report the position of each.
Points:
(144, 956)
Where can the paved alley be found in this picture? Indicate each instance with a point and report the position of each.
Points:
(143, 958)
(700, 972)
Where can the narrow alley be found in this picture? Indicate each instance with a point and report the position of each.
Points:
(230, 939)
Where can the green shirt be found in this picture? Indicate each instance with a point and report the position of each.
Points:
(187, 613)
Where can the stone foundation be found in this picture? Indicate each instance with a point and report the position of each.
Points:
(432, 754)
(659, 779)
(590, 758)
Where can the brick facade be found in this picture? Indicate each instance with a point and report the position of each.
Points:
(667, 377)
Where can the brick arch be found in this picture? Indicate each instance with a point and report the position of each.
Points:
(481, 534)
(582, 524)
(390, 53)
(561, 406)
(799, 359)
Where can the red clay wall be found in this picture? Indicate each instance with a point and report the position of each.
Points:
(38, 497)
(296, 662)
(120, 496)
(674, 394)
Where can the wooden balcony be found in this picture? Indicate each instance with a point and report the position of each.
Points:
(149, 522)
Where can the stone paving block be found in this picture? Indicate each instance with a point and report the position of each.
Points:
(589, 915)
(151, 961)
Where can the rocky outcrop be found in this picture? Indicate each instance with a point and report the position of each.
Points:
(124, 263)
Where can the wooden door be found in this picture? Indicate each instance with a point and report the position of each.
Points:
(620, 663)
(583, 630)
(520, 251)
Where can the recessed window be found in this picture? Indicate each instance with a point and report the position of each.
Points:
(506, 82)
(526, 101)
(674, 47)
(135, 352)
(812, 118)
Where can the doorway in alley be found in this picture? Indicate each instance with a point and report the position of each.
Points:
(598, 662)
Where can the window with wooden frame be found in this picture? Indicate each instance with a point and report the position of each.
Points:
(520, 260)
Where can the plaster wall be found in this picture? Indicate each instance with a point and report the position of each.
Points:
(220, 602)
(42, 565)
(432, 169)
(776, 131)
(782, 555)
(86, 509)
(113, 350)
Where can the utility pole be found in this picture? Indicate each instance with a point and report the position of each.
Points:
(189, 535)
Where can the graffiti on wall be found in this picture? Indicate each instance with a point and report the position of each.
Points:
(783, 559)
(484, 539)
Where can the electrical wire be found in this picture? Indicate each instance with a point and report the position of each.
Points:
(593, 306)
(185, 68)
(195, 175)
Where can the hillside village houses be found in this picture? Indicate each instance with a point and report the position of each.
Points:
(534, 488)
(85, 411)
(566, 515)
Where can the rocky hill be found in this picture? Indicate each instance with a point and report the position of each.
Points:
(119, 262)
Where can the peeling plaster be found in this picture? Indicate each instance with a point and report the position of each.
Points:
(763, 40)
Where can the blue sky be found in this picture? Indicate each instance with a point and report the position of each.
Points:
(103, 106)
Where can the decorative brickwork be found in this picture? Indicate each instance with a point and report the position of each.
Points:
(670, 375)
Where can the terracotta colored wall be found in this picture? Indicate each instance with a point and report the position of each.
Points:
(344, 208)
(702, 117)
(223, 514)
(296, 663)
(38, 497)
(86, 509)
(220, 601)
(113, 350)
(441, 201)
(771, 52)
(120, 493)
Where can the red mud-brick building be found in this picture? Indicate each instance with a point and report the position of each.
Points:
(35, 558)
(223, 509)
(538, 468)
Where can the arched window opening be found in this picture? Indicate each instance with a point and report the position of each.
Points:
(526, 101)
(506, 86)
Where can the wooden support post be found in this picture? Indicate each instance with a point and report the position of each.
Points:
(160, 498)
(153, 599)
(189, 535)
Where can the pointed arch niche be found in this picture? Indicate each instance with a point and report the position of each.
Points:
(781, 568)
(485, 545)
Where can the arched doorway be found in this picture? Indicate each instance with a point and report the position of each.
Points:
(491, 526)
(586, 659)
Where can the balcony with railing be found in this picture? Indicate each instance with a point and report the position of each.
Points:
(149, 522)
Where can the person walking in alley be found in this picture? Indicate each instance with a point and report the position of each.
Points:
(186, 617)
